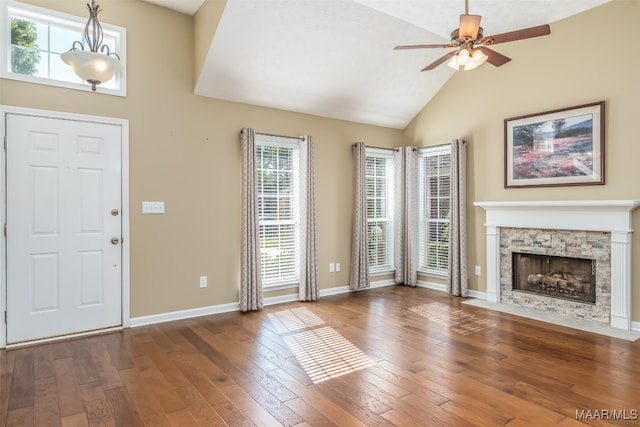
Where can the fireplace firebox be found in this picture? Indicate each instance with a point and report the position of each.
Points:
(555, 276)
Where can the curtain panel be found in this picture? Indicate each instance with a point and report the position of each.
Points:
(250, 274)
(308, 287)
(406, 214)
(457, 281)
(359, 274)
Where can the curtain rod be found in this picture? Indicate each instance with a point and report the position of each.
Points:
(393, 149)
(381, 148)
(434, 146)
(280, 136)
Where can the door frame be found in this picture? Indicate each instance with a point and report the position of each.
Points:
(124, 126)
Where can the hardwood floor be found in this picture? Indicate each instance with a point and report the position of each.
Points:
(389, 356)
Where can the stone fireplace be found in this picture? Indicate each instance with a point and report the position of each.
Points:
(569, 278)
(546, 235)
(562, 271)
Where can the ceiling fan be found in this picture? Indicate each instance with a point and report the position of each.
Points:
(471, 46)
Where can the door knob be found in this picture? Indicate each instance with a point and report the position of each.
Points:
(115, 240)
(114, 212)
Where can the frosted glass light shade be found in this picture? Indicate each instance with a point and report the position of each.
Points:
(470, 65)
(93, 67)
(453, 63)
(479, 57)
(463, 57)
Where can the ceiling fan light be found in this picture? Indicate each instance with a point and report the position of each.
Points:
(463, 57)
(453, 63)
(479, 57)
(470, 65)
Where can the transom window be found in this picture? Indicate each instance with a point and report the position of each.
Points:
(379, 186)
(35, 39)
(434, 199)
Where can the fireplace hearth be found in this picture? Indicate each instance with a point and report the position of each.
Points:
(555, 276)
(594, 229)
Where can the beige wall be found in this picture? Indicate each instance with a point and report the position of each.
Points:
(582, 61)
(205, 24)
(185, 150)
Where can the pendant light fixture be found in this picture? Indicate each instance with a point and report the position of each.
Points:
(90, 59)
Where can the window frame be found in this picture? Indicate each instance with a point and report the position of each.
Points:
(388, 156)
(423, 220)
(9, 8)
(293, 144)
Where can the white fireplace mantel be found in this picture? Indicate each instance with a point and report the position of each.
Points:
(613, 216)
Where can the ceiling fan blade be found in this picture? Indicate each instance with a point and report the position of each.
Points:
(423, 46)
(469, 25)
(493, 57)
(439, 61)
(526, 33)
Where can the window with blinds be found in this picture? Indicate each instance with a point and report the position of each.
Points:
(278, 176)
(434, 196)
(379, 180)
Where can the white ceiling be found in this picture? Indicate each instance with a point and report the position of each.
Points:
(335, 58)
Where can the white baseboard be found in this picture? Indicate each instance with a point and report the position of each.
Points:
(431, 285)
(382, 283)
(235, 306)
(443, 288)
(184, 314)
(635, 326)
(335, 291)
(477, 294)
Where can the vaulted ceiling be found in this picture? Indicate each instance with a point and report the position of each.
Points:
(335, 58)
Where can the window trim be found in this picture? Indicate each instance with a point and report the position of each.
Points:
(424, 152)
(388, 155)
(64, 20)
(291, 143)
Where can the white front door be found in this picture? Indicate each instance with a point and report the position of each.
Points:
(64, 222)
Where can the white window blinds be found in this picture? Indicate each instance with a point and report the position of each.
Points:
(379, 188)
(278, 175)
(435, 194)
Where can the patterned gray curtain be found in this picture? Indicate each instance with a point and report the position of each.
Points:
(250, 275)
(308, 289)
(457, 282)
(359, 274)
(406, 213)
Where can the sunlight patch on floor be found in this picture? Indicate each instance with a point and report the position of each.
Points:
(459, 321)
(324, 354)
(294, 319)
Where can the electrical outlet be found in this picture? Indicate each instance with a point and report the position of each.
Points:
(337, 267)
(332, 268)
(203, 281)
(478, 271)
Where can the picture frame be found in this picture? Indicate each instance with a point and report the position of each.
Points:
(556, 148)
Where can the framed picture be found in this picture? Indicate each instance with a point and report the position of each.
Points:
(554, 148)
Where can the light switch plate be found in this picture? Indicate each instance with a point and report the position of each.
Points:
(152, 208)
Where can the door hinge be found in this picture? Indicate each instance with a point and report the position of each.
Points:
(5, 317)
(5, 143)
(5, 230)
